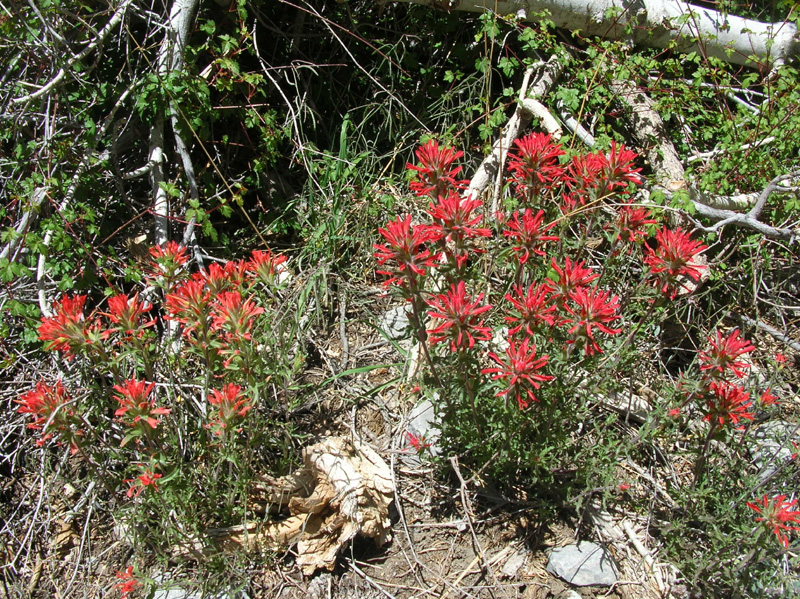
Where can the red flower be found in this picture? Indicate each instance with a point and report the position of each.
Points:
(585, 175)
(529, 234)
(265, 266)
(776, 514)
(593, 308)
(135, 406)
(617, 168)
(233, 316)
(67, 330)
(453, 221)
(435, 173)
(673, 258)
(128, 584)
(222, 278)
(52, 413)
(767, 399)
(188, 304)
(531, 309)
(404, 251)
(631, 222)
(727, 403)
(167, 261)
(126, 313)
(519, 368)
(417, 442)
(171, 251)
(573, 276)
(723, 354)
(142, 481)
(459, 316)
(534, 164)
(231, 405)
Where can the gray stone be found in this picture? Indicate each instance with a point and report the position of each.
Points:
(514, 563)
(584, 564)
(423, 423)
(395, 323)
(175, 592)
(773, 445)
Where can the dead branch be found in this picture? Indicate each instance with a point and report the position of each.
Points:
(62, 72)
(655, 24)
(546, 76)
(170, 58)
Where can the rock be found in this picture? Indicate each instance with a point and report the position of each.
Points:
(514, 563)
(773, 445)
(423, 423)
(395, 323)
(570, 594)
(584, 564)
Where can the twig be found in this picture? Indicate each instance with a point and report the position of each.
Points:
(487, 568)
(767, 328)
(62, 72)
(361, 573)
(401, 512)
(549, 72)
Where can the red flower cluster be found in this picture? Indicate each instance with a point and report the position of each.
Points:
(404, 253)
(135, 405)
(455, 224)
(573, 276)
(230, 405)
(518, 370)
(459, 315)
(126, 314)
(777, 515)
(534, 165)
(266, 267)
(146, 479)
(67, 330)
(418, 442)
(673, 259)
(529, 234)
(128, 582)
(233, 317)
(593, 309)
(727, 403)
(435, 172)
(631, 222)
(53, 413)
(532, 308)
(167, 263)
(723, 355)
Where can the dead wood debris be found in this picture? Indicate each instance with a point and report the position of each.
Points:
(343, 489)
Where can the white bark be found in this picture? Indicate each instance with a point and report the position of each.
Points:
(655, 23)
(170, 58)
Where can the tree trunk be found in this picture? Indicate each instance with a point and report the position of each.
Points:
(655, 23)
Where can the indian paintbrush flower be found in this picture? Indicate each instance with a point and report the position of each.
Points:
(723, 355)
(519, 371)
(53, 413)
(459, 319)
(777, 515)
(591, 308)
(135, 405)
(529, 234)
(674, 258)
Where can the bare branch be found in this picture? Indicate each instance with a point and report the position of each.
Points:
(547, 75)
(62, 72)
